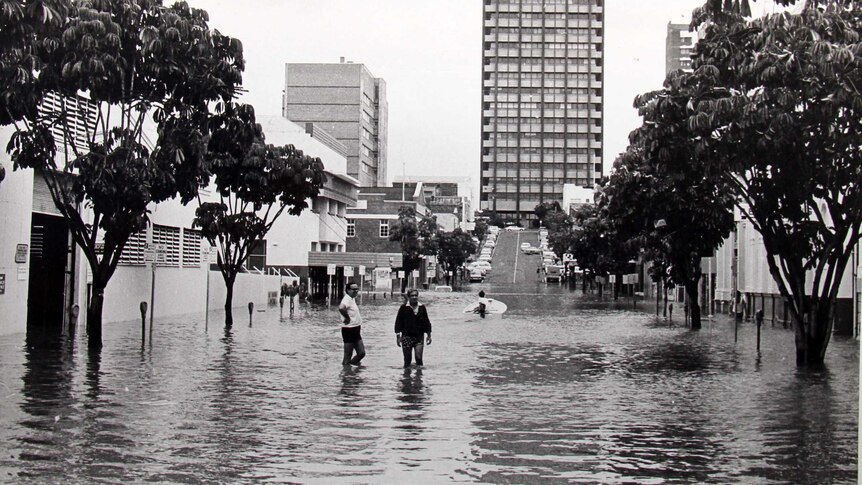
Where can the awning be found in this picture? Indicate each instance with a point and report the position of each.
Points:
(369, 260)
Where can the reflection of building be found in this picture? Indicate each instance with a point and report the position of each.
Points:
(678, 47)
(348, 102)
(542, 102)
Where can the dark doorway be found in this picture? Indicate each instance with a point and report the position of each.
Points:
(48, 250)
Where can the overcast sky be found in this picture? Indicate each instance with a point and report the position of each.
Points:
(429, 52)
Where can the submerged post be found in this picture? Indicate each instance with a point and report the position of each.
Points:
(758, 319)
(143, 308)
(250, 311)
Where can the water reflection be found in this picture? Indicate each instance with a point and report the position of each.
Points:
(592, 394)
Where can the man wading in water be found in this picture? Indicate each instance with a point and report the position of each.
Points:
(351, 326)
(411, 324)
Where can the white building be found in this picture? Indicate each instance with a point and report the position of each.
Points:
(43, 276)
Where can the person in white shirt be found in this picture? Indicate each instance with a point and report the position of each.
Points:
(351, 326)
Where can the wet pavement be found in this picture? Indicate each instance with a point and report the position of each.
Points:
(562, 388)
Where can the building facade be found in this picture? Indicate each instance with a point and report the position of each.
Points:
(542, 101)
(348, 102)
(45, 280)
(679, 44)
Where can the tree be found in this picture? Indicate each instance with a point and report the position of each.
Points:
(452, 249)
(255, 183)
(660, 195)
(480, 230)
(544, 208)
(138, 63)
(780, 107)
(415, 237)
(593, 242)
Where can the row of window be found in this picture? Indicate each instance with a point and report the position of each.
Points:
(383, 228)
(182, 247)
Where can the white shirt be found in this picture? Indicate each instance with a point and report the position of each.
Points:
(349, 304)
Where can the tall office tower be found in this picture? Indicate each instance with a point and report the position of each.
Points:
(678, 46)
(349, 103)
(541, 101)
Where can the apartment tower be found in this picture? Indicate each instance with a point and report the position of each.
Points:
(349, 103)
(542, 92)
(678, 47)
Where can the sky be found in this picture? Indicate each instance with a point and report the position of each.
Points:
(429, 52)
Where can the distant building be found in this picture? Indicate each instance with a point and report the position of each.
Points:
(575, 196)
(678, 47)
(448, 198)
(348, 102)
(542, 101)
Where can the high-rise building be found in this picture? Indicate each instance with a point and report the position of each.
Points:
(348, 102)
(678, 46)
(542, 103)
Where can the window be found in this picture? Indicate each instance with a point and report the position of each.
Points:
(384, 228)
(351, 227)
(169, 239)
(257, 255)
(191, 248)
(133, 253)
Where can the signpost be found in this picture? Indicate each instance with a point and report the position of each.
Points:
(154, 254)
(330, 270)
(361, 280)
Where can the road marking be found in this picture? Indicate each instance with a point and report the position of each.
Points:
(517, 248)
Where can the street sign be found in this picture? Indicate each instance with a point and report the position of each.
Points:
(330, 269)
(612, 278)
(348, 271)
(149, 255)
(400, 274)
(415, 273)
(361, 269)
(568, 257)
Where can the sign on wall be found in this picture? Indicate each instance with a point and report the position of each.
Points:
(21, 253)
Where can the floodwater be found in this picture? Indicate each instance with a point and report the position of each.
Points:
(562, 388)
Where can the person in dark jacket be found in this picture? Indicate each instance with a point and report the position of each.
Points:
(411, 325)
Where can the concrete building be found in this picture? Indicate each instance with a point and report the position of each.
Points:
(448, 198)
(575, 196)
(542, 101)
(679, 44)
(348, 102)
(368, 227)
(43, 276)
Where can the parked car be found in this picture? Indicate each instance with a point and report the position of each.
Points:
(482, 265)
(477, 275)
(553, 273)
(514, 228)
(532, 250)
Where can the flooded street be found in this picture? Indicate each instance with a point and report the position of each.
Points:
(562, 388)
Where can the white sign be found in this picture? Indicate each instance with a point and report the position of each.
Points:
(362, 269)
(330, 269)
(415, 273)
(348, 271)
(612, 278)
(568, 257)
(149, 255)
(400, 274)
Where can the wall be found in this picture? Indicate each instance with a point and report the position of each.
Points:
(16, 202)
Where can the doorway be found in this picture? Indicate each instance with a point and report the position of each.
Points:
(46, 295)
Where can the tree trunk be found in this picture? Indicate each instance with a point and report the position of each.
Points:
(813, 333)
(694, 307)
(657, 296)
(228, 300)
(94, 315)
